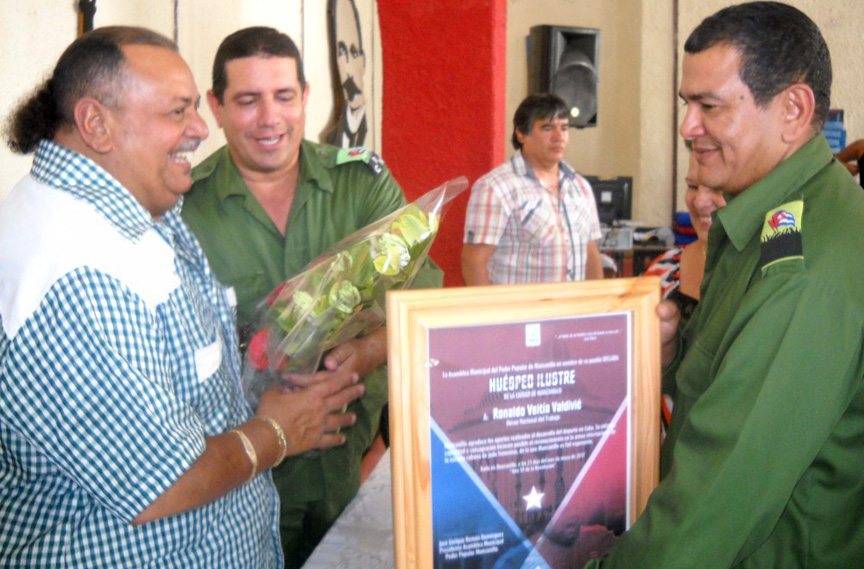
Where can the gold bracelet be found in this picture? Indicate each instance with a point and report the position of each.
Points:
(250, 451)
(280, 435)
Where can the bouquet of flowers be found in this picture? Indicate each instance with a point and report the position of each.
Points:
(341, 294)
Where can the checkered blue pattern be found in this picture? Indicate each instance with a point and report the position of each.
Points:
(103, 406)
(537, 238)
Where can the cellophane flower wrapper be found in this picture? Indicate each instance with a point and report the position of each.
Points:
(341, 294)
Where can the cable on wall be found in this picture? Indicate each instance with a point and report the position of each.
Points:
(177, 22)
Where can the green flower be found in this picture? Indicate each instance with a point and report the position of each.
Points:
(303, 301)
(390, 254)
(292, 309)
(413, 227)
(344, 297)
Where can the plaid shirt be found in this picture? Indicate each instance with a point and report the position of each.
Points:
(536, 239)
(117, 359)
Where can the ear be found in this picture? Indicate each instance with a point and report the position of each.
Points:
(520, 136)
(799, 105)
(91, 121)
(214, 105)
(305, 100)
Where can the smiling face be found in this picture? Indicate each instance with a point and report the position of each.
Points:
(735, 141)
(701, 200)
(544, 146)
(263, 114)
(155, 128)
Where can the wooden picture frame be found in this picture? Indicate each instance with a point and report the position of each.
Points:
(416, 319)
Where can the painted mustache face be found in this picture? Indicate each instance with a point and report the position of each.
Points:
(350, 88)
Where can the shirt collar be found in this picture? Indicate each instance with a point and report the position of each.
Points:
(231, 183)
(64, 169)
(744, 215)
(312, 167)
(228, 180)
(523, 168)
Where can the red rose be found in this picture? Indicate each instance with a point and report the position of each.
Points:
(258, 350)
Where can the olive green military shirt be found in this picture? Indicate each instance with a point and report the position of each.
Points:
(764, 460)
(338, 192)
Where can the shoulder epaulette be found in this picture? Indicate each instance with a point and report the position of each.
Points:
(360, 154)
(205, 168)
(202, 172)
(781, 234)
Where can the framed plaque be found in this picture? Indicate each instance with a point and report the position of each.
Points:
(524, 421)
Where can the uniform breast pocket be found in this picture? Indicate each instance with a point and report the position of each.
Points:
(536, 221)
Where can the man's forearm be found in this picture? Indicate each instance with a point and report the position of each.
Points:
(222, 466)
(476, 276)
(286, 423)
(593, 262)
(475, 261)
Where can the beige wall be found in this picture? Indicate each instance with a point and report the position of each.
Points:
(638, 81)
(35, 32)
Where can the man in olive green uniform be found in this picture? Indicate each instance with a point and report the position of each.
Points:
(266, 205)
(763, 465)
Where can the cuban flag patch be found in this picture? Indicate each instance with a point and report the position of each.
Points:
(781, 234)
(782, 218)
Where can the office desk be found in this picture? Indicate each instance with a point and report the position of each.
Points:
(363, 534)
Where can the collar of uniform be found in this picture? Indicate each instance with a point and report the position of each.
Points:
(523, 168)
(744, 215)
(229, 182)
(69, 171)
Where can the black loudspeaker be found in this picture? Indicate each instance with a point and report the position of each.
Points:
(564, 61)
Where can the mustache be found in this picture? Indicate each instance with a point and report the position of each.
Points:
(190, 146)
(351, 89)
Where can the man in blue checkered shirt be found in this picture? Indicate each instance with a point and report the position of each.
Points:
(124, 437)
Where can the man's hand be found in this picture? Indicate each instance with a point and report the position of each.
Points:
(311, 416)
(670, 317)
(360, 355)
(350, 361)
(850, 155)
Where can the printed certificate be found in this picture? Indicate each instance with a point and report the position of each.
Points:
(515, 438)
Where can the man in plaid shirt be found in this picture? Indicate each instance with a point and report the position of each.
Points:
(533, 219)
(124, 437)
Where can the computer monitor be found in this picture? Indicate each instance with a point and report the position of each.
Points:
(614, 197)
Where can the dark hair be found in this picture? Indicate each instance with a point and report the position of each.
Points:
(534, 107)
(779, 46)
(249, 42)
(92, 66)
